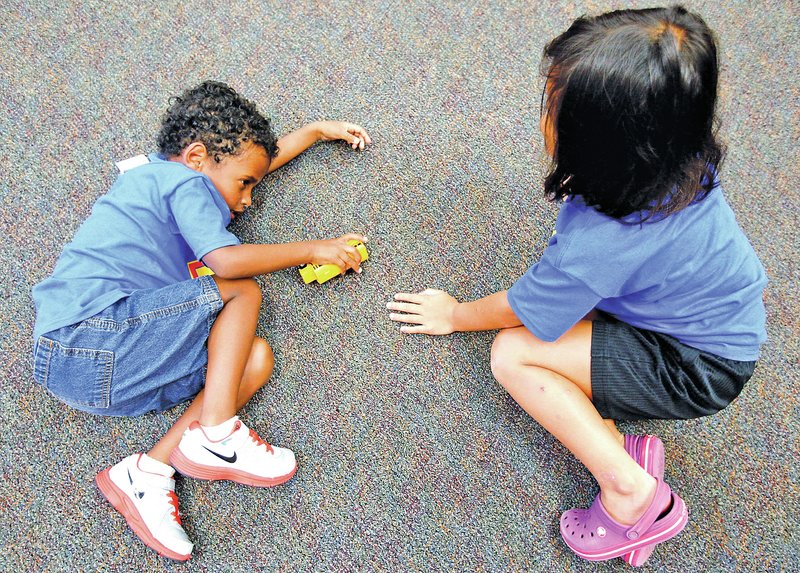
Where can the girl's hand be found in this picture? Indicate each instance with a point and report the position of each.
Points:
(355, 135)
(338, 252)
(430, 310)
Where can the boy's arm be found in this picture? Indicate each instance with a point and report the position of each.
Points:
(436, 312)
(242, 261)
(296, 142)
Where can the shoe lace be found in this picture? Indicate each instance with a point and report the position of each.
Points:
(259, 442)
(173, 501)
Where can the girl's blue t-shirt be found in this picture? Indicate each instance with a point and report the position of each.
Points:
(148, 231)
(692, 275)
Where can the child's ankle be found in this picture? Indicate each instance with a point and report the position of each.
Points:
(154, 466)
(626, 505)
(221, 431)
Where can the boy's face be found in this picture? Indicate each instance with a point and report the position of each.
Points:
(236, 175)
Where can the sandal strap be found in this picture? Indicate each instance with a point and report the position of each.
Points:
(650, 516)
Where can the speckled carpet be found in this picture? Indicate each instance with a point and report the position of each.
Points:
(411, 457)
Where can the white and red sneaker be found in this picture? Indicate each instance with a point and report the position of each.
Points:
(242, 456)
(149, 505)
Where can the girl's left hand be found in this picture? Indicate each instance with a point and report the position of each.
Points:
(355, 135)
(428, 312)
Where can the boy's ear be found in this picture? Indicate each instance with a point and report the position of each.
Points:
(194, 155)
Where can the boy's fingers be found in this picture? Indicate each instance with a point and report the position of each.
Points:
(353, 254)
(353, 237)
(360, 133)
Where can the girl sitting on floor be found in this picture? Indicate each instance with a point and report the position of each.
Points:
(647, 302)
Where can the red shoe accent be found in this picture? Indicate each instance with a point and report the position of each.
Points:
(119, 500)
(257, 439)
(200, 471)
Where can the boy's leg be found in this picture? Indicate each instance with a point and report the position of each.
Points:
(208, 441)
(552, 382)
(256, 374)
(229, 346)
(238, 365)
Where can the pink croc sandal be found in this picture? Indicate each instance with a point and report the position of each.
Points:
(648, 452)
(596, 536)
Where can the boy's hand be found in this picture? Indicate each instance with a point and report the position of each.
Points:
(338, 252)
(430, 310)
(355, 135)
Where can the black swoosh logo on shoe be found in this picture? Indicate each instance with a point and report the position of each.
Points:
(136, 492)
(229, 459)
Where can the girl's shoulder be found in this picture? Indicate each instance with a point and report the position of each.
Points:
(588, 224)
(588, 239)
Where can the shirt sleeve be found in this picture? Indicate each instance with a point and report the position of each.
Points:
(549, 301)
(200, 219)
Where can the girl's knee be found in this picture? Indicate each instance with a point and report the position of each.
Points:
(505, 356)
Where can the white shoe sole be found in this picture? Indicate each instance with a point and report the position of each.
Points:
(189, 468)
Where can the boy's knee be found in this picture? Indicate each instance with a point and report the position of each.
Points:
(233, 288)
(252, 288)
(262, 359)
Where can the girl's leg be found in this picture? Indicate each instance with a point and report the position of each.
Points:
(239, 363)
(552, 382)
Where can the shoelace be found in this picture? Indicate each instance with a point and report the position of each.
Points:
(259, 442)
(173, 501)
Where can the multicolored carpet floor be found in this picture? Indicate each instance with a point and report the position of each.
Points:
(412, 458)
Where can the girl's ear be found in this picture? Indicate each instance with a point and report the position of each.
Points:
(195, 155)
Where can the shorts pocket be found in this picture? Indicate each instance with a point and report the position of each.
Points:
(80, 377)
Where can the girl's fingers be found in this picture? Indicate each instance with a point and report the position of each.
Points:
(409, 297)
(407, 318)
(414, 329)
(403, 307)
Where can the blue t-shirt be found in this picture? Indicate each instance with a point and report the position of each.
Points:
(692, 275)
(144, 233)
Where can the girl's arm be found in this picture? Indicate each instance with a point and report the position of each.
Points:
(436, 312)
(240, 261)
(296, 142)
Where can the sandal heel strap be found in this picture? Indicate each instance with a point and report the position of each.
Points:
(663, 494)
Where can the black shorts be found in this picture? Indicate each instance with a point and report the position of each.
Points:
(638, 374)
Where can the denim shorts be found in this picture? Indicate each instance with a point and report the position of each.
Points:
(147, 351)
(638, 374)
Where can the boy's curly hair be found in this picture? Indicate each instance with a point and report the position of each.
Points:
(218, 117)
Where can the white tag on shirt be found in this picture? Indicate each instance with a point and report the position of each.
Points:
(130, 163)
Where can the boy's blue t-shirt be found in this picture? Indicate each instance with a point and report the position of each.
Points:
(692, 275)
(154, 222)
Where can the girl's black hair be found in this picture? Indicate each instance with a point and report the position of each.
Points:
(630, 98)
(218, 117)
